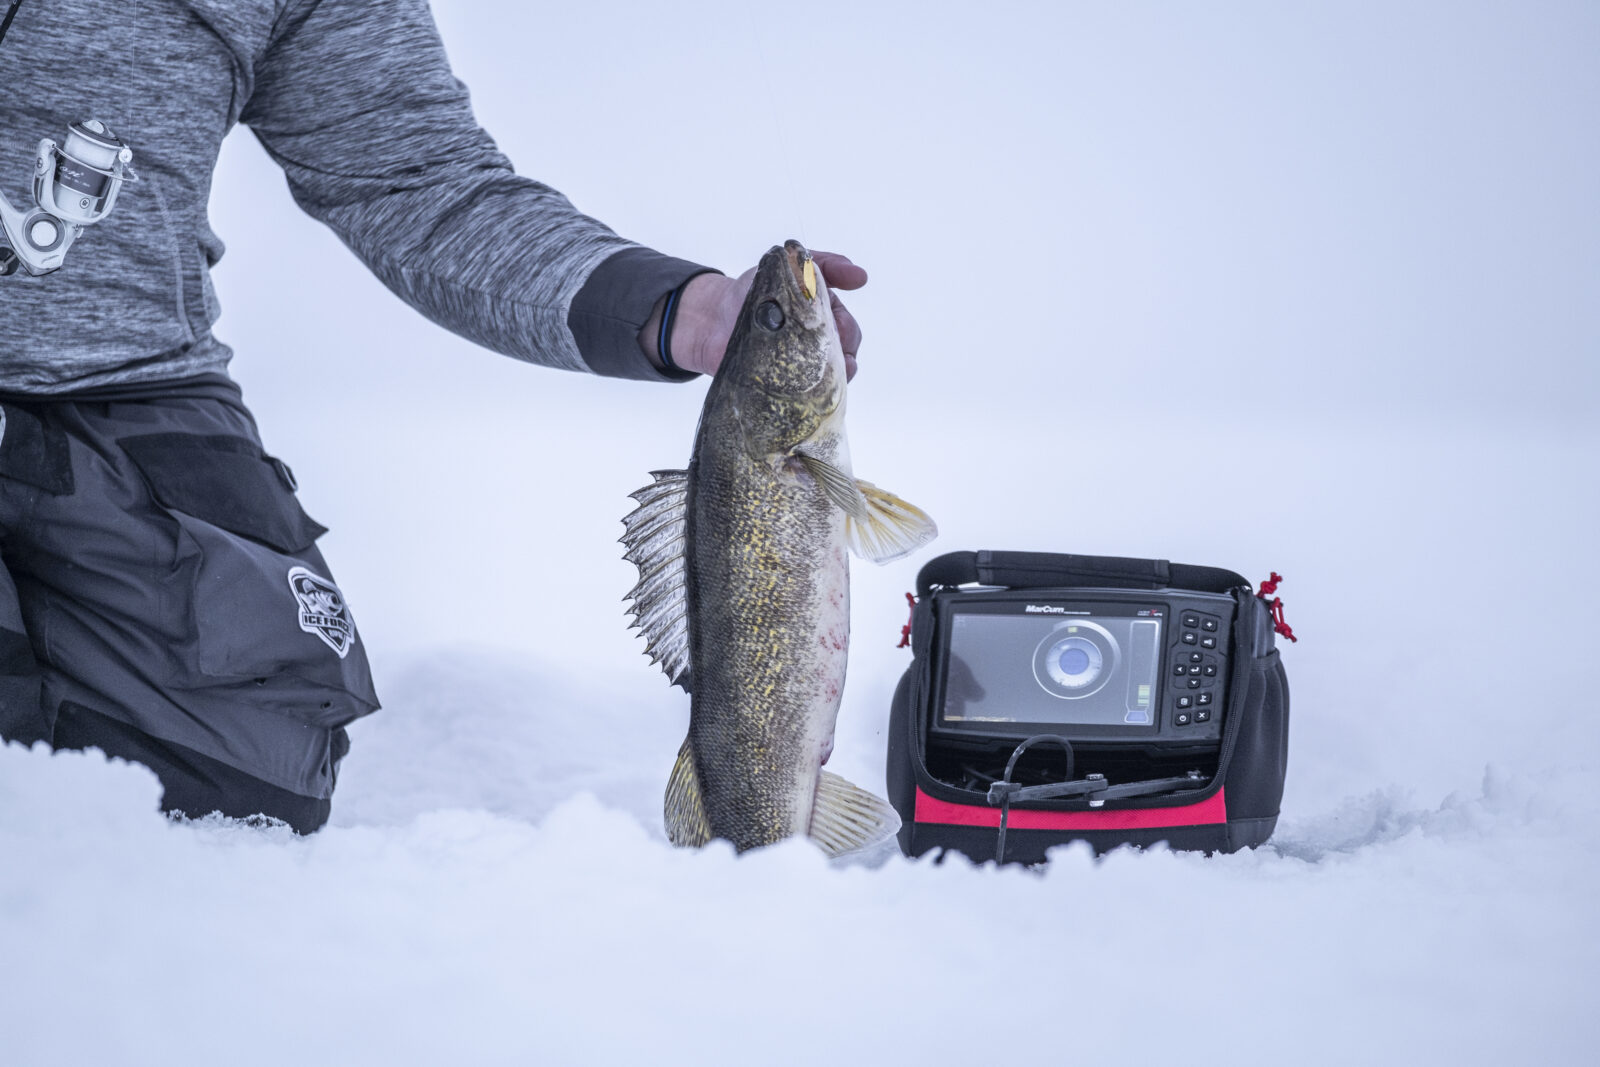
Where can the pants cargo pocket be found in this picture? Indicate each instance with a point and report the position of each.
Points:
(268, 620)
(34, 452)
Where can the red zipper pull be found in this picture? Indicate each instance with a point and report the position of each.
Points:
(905, 631)
(1275, 605)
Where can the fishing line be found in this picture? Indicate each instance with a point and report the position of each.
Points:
(786, 145)
(127, 83)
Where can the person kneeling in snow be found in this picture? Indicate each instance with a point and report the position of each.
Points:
(162, 596)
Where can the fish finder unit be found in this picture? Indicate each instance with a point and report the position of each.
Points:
(1082, 664)
(1055, 698)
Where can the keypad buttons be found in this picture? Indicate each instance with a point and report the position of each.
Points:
(1195, 649)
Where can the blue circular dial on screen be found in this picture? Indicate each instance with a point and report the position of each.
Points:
(1075, 660)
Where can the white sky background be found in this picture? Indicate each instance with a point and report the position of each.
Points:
(1338, 206)
(1310, 289)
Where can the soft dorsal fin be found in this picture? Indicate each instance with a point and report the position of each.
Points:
(656, 539)
(684, 809)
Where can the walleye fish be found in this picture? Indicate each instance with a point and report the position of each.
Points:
(744, 581)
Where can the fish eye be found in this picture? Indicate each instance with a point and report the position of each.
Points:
(770, 315)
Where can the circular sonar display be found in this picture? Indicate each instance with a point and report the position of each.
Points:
(1076, 660)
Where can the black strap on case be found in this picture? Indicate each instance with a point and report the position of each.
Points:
(1031, 570)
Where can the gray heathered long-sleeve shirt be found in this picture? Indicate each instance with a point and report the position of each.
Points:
(355, 100)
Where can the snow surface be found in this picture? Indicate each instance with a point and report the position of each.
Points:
(1338, 263)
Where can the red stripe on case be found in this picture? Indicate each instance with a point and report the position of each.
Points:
(1208, 812)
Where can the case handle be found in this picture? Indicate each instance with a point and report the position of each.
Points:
(1025, 570)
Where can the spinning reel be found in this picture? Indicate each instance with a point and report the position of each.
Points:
(75, 184)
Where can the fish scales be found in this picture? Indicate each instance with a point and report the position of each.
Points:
(768, 548)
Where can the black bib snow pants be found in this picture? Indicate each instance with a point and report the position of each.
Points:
(162, 599)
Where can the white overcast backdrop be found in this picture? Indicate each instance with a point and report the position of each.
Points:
(1312, 288)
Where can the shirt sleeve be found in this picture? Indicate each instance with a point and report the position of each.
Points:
(356, 101)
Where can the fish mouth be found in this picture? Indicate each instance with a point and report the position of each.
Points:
(801, 283)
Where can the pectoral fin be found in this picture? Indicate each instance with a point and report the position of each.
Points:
(847, 818)
(839, 485)
(891, 529)
(878, 525)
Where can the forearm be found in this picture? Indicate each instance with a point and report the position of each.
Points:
(499, 262)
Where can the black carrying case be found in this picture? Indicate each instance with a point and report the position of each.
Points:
(1237, 807)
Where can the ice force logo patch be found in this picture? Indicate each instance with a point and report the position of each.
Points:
(322, 610)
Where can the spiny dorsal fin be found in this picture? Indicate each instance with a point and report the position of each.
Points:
(892, 528)
(656, 544)
(685, 812)
(847, 818)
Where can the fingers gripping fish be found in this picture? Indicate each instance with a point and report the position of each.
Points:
(743, 592)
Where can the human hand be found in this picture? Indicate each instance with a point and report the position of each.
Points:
(710, 305)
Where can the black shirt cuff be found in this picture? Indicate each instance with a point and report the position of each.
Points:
(613, 305)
